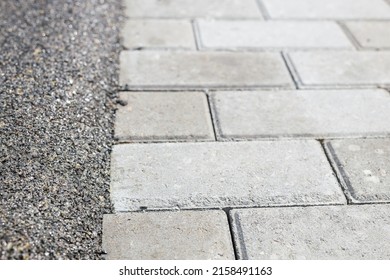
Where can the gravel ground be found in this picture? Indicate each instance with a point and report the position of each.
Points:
(58, 78)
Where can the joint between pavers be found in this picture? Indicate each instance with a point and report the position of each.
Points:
(212, 116)
(196, 33)
(203, 88)
(340, 86)
(239, 249)
(291, 69)
(307, 136)
(263, 10)
(340, 172)
(349, 35)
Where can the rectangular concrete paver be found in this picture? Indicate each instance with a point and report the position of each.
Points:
(371, 34)
(341, 68)
(329, 9)
(152, 34)
(217, 174)
(364, 167)
(305, 113)
(189, 70)
(330, 232)
(163, 116)
(167, 235)
(222, 34)
(192, 9)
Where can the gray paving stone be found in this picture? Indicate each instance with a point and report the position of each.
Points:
(371, 34)
(163, 116)
(221, 174)
(192, 9)
(158, 34)
(192, 70)
(305, 113)
(329, 9)
(341, 68)
(223, 34)
(167, 235)
(364, 166)
(330, 232)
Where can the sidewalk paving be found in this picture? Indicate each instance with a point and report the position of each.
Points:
(276, 112)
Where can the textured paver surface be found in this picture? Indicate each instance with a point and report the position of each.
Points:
(342, 68)
(205, 175)
(364, 166)
(330, 232)
(188, 70)
(320, 114)
(260, 106)
(154, 34)
(190, 8)
(163, 116)
(222, 34)
(371, 34)
(330, 9)
(168, 235)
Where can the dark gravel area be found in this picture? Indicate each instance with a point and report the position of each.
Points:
(58, 78)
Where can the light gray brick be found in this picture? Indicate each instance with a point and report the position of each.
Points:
(330, 232)
(364, 166)
(151, 34)
(319, 114)
(341, 68)
(194, 70)
(192, 9)
(329, 9)
(223, 34)
(371, 34)
(167, 235)
(216, 174)
(163, 116)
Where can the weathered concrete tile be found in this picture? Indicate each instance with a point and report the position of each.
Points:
(167, 235)
(221, 174)
(183, 70)
(192, 9)
(371, 34)
(341, 68)
(319, 114)
(163, 116)
(364, 167)
(329, 232)
(329, 9)
(138, 33)
(224, 34)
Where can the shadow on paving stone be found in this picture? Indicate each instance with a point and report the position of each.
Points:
(58, 65)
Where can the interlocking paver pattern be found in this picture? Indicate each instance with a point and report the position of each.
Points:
(236, 77)
(364, 166)
(330, 232)
(318, 114)
(207, 175)
(167, 235)
(222, 34)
